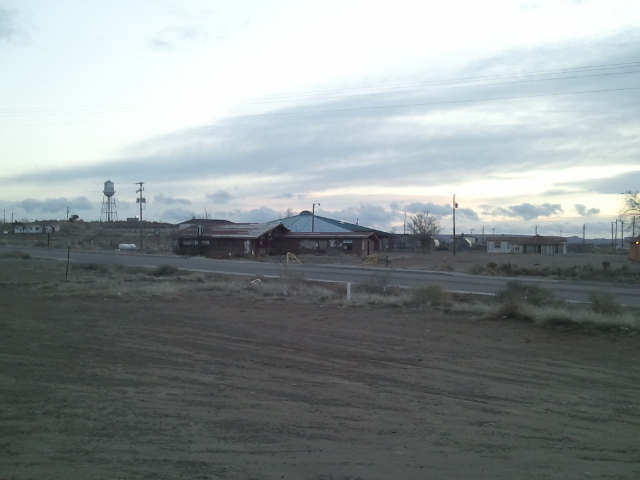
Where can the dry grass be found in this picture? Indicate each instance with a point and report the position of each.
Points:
(518, 301)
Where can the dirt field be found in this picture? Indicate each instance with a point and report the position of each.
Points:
(213, 386)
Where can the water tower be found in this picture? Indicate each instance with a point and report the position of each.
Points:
(109, 212)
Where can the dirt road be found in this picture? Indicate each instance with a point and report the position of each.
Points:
(218, 387)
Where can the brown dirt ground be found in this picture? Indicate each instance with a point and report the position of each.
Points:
(215, 386)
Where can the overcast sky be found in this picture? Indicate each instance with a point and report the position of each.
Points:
(527, 111)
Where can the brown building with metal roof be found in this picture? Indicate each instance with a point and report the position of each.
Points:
(222, 240)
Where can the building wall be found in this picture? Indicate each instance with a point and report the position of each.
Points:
(502, 246)
(221, 248)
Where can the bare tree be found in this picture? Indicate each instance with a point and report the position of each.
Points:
(424, 227)
(631, 203)
(631, 210)
(288, 213)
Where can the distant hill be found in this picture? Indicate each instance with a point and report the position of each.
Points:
(575, 240)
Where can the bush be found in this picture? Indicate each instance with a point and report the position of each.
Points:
(518, 298)
(476, 269)
(604, 302)
(518, 292)
(376, 284)
(17, 254)
(512, 309)
(164, 271)
(432, 295)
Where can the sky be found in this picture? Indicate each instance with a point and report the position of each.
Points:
(364, 111)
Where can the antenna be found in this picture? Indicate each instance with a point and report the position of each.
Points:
(141, 200)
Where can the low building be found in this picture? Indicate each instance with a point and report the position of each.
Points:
(634, 249)
(521, 245)
(205, 222)
(357, 243)
(226, 239)
(34, 228)
(309, 223)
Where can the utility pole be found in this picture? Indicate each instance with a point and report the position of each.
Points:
(612, 244)
(313, 217)
(455, 205)
(141, 201)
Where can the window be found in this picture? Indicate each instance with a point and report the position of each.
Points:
(497, 244)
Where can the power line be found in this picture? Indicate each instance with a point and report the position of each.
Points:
(466, 82)
(373, 107)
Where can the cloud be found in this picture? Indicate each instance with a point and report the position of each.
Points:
(168, 200)
(258, 215)
(289, 195)
(177, 215)
(525, 211)
(585, 212)
(412, 137)
(171, 38)
(369, 215)
(54, 205)
(219, 196)
(624, 182)
(9, 27)
(433, 209)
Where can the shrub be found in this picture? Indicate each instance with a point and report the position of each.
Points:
(92, 267)
(513, 309)
(518, 292)
(164, 271)
(509, 268)
(17, 254)
(433, 295)
(604, 302)
(376, 284)
(476, 269)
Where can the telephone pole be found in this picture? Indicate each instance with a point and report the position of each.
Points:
(141, 201)
(455, 205)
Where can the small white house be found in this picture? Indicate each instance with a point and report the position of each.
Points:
(535, 244)
(24, 228)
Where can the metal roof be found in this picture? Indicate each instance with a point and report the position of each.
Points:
(329, 235)
(303, 223)
(233, 230)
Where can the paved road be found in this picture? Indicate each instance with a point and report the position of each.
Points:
(454, 282)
